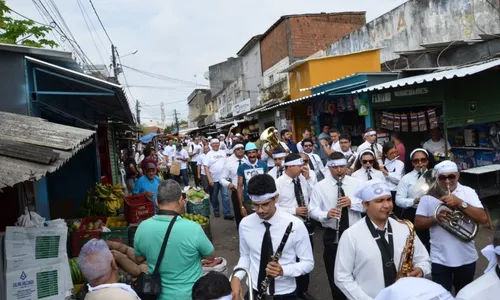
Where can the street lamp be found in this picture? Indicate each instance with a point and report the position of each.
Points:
(132, 53)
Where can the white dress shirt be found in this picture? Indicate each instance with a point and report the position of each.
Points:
(201, 159)
(396, 169)
(252, 231)
(317, 163)
(446, 249)
(299, 147)
(269, 159)
(363, 176)
(274, 172)
(404, 192)
(358, 266)
(335, 146)
(324, 198)
(286, 190)
(483, 288)
(230, 171)
(377, 147)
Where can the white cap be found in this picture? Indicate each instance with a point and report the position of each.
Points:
(414, 288)
(213, 141)
(222, 135)
(237, 146)
(372, 189)
(446, 166)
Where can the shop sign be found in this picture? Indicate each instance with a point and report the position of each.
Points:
(242, 107)
(363, 107)
(380, 98)
(411, 92)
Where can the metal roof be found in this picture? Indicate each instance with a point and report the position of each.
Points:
(32, 136)
(455, 72)
(345, 77)
(45, 53)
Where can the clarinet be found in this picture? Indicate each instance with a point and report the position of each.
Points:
(307, 219)
(274, 258)
(337, 231)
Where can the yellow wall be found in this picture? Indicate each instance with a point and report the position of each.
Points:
(318, 71)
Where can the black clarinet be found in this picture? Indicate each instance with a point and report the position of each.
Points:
(339, 195)
(265, 283)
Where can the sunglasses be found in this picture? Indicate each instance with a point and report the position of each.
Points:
(367, 162)
(420, 160)
(449, 177)
(308, 145)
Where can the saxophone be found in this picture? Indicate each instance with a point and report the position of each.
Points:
(267, 280)
(406, 261)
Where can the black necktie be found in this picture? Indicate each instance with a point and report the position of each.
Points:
(419, 174)
(311, 164)
(299, 196)
(239, 162)
(265, 254)
(344, 220)
(368, 174)
(280, 172)
(373, 149)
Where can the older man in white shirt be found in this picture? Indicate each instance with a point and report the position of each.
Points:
(371, 144)
(229, 178)
(453, 260)
(266, 232)
(332, 203)
(369, 254)
(488, 285)
(278, 169)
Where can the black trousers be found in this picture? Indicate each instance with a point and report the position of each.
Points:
(303, 280)
(329, 254)
(291, 296)
(194, 170)
(423, 235)
(458, 277)
(237, 208)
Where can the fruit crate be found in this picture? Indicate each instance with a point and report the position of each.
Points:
(199, 207)
(138, 208)
(112, 223)
(120, 237)
(84, 226)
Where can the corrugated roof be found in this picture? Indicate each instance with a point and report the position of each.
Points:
(27, 133)
(456, 72)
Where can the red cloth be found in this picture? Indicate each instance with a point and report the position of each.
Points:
(402, 152)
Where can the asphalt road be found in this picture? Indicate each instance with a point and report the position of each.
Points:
(225, 240)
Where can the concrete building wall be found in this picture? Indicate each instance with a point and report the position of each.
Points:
(271, 75)
(230, 96)
(252, 73)
(422, 22)
(222, 74)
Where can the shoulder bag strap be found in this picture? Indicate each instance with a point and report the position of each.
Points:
(164, 246)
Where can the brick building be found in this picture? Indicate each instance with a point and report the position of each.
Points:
(295, 37)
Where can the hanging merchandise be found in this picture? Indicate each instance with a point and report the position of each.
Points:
(355, 101)
(433, 121)
(397, 122)
(341, 105)
(384, 120)
(390, 121)
(404, 122)
(422, 122)
(414, 122)
(349, 104)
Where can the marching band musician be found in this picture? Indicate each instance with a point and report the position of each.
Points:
(278, 169)
(327, 207)
(294, 189)
(370, 143)
(367, 167)
(489, 284)
(315, 162)
(261, 234)
(369, 252)
(453, 260)
(267, 151)
(345, 148)
(393, 169)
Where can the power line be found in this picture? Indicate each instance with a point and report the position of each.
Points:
(95, 30)
(163, 77)
(88, 28)
(99, 18)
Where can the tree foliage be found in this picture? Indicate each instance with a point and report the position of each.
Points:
(22, 32)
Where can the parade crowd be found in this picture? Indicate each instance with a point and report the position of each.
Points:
(281, 193)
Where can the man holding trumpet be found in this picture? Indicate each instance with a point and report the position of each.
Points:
(332, 203)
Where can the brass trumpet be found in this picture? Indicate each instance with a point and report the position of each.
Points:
(249, 282)
(458, 223)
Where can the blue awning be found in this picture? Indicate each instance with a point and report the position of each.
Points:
(148, 137)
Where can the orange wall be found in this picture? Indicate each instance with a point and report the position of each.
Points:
(318, 71)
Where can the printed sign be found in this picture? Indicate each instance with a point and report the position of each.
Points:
(249, 173)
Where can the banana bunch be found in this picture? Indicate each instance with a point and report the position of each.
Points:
(104, 200)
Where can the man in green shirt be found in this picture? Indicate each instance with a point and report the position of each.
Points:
(187, 244)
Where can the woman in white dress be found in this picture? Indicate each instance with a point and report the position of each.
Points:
(367, 167)
(393, 169)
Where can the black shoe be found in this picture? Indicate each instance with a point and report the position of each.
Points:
(216, 215)
(305, 296)
(230, 218)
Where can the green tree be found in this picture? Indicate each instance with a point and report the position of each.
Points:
(181, 122)
(22, 32)
(168, 130)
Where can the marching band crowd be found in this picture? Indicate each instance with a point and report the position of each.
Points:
(281, 192)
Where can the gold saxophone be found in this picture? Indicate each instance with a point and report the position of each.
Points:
(406, 261)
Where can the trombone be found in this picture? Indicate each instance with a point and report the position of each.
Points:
(249, 282)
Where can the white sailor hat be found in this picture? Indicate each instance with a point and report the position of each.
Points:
(372, 189)
(446, 166)
(213, 141)
(414, 288)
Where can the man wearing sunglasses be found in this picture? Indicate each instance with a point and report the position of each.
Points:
(261, 234)
(453, 260)
(315, 162)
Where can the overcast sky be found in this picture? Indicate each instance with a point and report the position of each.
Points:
(179, 39)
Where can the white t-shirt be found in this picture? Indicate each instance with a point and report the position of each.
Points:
(336, 146)
(434, 147)
(446, 249)
(215, 162)
(182, 155)
(196, 149)
(199, 162)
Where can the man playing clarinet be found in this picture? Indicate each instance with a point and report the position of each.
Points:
(264, 233)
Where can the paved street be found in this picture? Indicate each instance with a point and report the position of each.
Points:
(225, 239)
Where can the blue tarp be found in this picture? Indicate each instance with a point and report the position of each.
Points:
(148, 137)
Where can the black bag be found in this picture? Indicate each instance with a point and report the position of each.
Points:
(148, 286)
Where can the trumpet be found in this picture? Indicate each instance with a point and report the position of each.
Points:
(457, 223)
(337, 231)
(249, 281)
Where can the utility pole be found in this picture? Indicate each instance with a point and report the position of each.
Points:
(113, 61)
(137, 112)
(176, 120)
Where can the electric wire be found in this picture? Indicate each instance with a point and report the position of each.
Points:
(90, 32)
(102, 25)
(95, 30)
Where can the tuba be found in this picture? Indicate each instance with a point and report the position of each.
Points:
(249, 281)
(269, 136)
(458, 223)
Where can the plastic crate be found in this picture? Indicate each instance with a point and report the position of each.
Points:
(120, 236)
(112, 220)
(80, 238)
(202, 208)
(86, 221)
(138, 208)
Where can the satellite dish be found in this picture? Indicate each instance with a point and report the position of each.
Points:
(206, 75)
